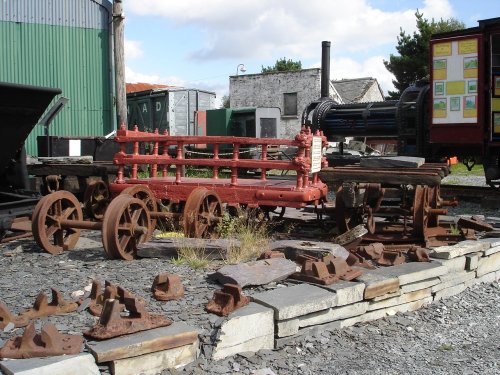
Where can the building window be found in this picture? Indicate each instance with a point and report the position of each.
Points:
(290, 104)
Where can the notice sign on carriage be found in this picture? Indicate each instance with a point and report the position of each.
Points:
(316, 154)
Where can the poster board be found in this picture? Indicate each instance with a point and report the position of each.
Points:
(316, 154)
(454, 81)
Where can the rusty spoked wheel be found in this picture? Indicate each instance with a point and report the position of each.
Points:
(420, 209)
(434, 193)
(125, 225)
(48, 222)
(145, 194)
(202, 213)
(96, 200)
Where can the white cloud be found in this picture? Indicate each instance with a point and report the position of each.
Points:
(266, 29)
(371, 67)
(132, 49)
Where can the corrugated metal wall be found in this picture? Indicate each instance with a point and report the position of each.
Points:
(65, 44)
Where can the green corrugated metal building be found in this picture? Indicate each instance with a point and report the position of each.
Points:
(65, 44)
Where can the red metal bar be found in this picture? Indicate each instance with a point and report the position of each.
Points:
(216, 157)
(263, 173)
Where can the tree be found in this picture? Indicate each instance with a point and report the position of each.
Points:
(225, 102)
(283, 65)
(412, 64)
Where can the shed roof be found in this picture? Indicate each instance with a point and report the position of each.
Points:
(352, 90)
(140, 86)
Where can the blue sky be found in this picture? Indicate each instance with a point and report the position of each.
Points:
(199, 43)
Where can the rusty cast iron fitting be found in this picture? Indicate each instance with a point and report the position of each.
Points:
(313, 270)
(270, 254)
(57, 306)
(112, 323)
(227, 300)
(354, 259)
(391, 258)
(372, 251)
(49, 342)
(418, 254)
(167, 286)
(6, 317)
(339, 267)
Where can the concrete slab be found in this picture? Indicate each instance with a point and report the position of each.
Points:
(287, 327)
(494, 242)
(296, 300)
(378, 283)
(450, 280)
(155, 363)
(392, 162)
(253, 345)
(247, 323)
(397, 293)
(420, 285)
(294, 248)
(403, 299)
(488, 264)
(347, 291)
(335, 313)
(80, 364)
(259, 272)
(175, 335)
(459, 249)
(488, 278)
(455, 264)
(492, 250)
(449, 292)
(415, 271)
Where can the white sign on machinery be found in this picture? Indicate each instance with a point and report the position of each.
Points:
(316, 154)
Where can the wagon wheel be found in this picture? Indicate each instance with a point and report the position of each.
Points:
(145, 194)
(273, 212)
(202, 213)
(420, 210)
(434, 194)
(96, 200)
(125, 225)
(346, 218)
(46, 222)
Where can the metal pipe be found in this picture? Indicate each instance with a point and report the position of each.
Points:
(325, 69)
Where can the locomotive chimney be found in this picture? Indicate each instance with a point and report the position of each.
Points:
(325, 69)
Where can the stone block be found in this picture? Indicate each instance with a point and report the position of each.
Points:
(488, 278)
(449, 292)
(155, 363)
(403, 299)
(287, 327)
(153, 340)
(397, 293)
(381, 313)
(450, 280)
(414, 271)
(347, 291)
(249, 329)
(80, 364)
(420, 285)
(378, 284)
(454, 264)
(296, 300)
(494, 242)
(335, 313)
(488, 264)
(491, 250)
(294, 248)
(253, 345)
(471, 261)
(259, 272)
(459, 249)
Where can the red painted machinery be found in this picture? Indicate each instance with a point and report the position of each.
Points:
(197, 203)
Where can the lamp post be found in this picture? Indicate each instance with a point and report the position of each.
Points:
(241, 68)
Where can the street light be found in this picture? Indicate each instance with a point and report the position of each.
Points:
(241, 68)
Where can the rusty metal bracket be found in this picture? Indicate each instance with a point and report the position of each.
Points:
(167, 286)
(48, 342)
(372, 251)
(339, 267)
(475, 223)
(227, 300)
(111, 291)
(6, 317)
(270, 254)
(417, 254)
(113, 324)
(391, 258)
(324, 271)
(57, 306)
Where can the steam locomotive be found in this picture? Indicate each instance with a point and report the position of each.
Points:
(455, 113)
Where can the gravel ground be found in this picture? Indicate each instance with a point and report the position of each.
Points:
(456, 335)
